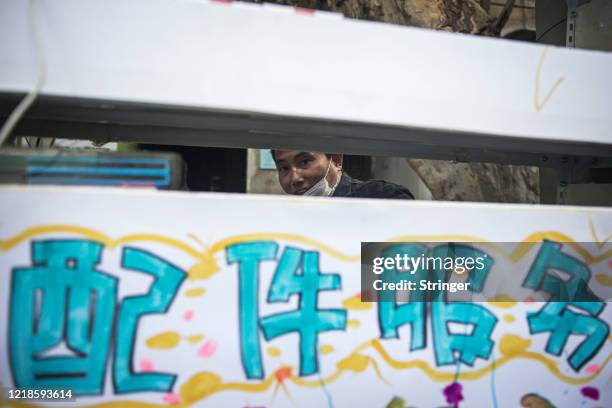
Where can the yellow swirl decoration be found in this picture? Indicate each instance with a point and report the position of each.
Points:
(195, 292)
(522, 249)
(511, 347)
(164, 340)
(603, 280)
(206, 264)
(94, 235)
(204, 384)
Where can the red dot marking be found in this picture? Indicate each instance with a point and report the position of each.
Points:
(283, 373)
(304, 11)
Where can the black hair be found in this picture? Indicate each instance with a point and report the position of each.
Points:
(328, 155)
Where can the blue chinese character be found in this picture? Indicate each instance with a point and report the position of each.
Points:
(468, 346)
(562, 322)
(64, 301)
(61, 299)
(392, 316)
(477, 276)
(167, 280)
(308, 320)
(249, 255)
(551, 258)
(450, 347)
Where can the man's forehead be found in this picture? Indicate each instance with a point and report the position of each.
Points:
(289, 155)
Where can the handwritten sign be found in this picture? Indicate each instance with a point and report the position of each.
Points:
(165, 298)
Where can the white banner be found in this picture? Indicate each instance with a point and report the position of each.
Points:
(166, 298)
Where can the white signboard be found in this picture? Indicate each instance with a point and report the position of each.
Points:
(230, 57)
(163, 298)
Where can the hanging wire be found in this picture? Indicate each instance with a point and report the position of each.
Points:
(549, 29)
(29, 99)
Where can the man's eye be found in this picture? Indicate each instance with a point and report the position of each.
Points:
(283, 169)
(304, 162)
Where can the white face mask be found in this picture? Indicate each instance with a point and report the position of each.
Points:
(322, 188)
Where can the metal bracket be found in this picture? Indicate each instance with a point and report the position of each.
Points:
(572, 16)
(573, 169)
(570, 39)
(565, 172)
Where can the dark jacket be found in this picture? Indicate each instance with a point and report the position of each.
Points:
(350, 187)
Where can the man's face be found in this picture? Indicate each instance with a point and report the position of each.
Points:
(298, 171)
